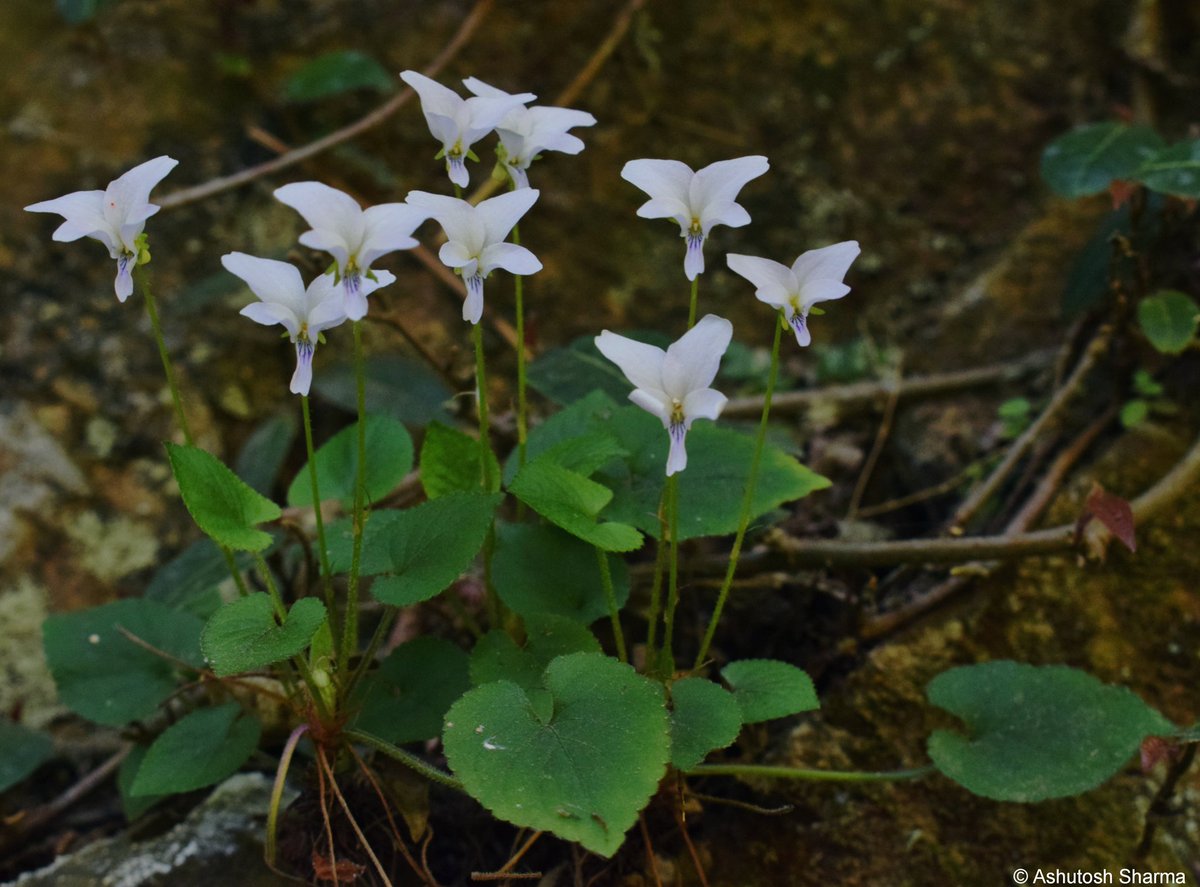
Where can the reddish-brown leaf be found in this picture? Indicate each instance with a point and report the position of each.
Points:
(1156, 750)
(1121, 191)
(1112, 512)
(343, 872)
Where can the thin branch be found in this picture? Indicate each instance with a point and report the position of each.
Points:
(881, 436)
(865, 393)
(379, 115)
(362, 839)
(1062, 397)
(51, 810)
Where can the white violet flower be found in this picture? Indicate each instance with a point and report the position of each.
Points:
(459, 123)
(674, 384)
(526, 132)
(353, 236)
(283, 299)
(115, 216)
(814, 277)
(475, 238)
(696, 200)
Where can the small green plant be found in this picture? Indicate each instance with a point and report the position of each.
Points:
(553, 720)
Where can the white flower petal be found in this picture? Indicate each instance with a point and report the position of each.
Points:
(124, 280)
(704, 403)
(691, 362)
(435, 98)
(388, 227)
(325, 208)
(774, 281)
(302, 377)
(271, 313)
(666, 208)
(828, 262)
(473, 304)
(654, 402)
(486, 112)
(83, 211)
(720, 182)
(641, 363)
(814, 291)
(732, 215)
(693, 259)
(500, 214)
(659, 178)
(478, 87)
(327, 240)
(270, 280)
(127, 197)
(512, 258)
(458, 218)
(677, 454)
(455, 255)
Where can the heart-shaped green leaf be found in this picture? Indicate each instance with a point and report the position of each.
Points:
(766, 689)
(220, 502)
(497, 657)
(245, 634)
(1168, 318)
(1036, 732)
(406, 699)
(21, 752)
(712, 487)
(201, 749)
(450, 462)
(1088, 158)
(335, 73)
(107, 678)
(704, 717)
(541, 570)
(581, 767)
(389, 458)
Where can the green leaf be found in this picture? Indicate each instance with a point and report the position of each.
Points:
(540, 570)
(1036, 732)
(1134, 413)
(76, 12)
(580, 418)
(107, 678)
(246, 635)
(21, 752)
(1146, 385)
(1168, 318)
(766, 689)
(1087, 159)
(497, 657)
(201, 749)
(566, 375)
(1174, 170)
(419, 551)
(704, 717)
(571, 501)
(220, 503)
(134, 806)
(192, 579)
(396, 386)
(406, 699)
(713, 485)
(585, 770)
(389, 458)
(336, 73)
(450, 461)
(261, 457)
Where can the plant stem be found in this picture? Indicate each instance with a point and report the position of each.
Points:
(140, 276)
(522, 430)
(485, 446)
(660, 560)
(322, 547)
(611, 597)
(285, 763)
(692, 306)
(747, 500)
(406, 758)
(168, 369)
(299, 661)
(814, 775)
(673, 571)
(350, 619)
